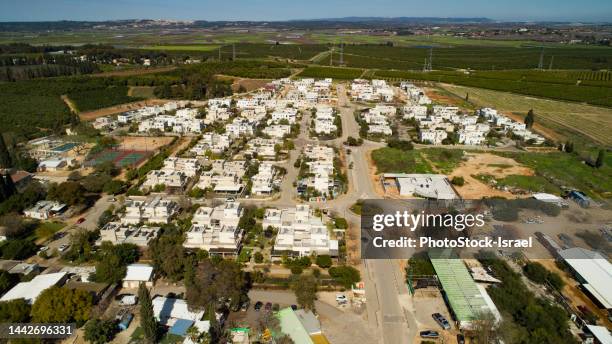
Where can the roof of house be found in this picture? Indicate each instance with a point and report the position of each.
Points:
(165, 308)
(30, 290)
(601, 333)
(180, 327)
(595, 269)
(138, 272)
(291, 325)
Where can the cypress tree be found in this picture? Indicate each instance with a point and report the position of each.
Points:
(5, 156)
(600, 158)
(529, 119)
(10, 187)
(147, 320)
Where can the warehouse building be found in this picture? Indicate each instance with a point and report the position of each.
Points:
(593, 271)
(466, 299)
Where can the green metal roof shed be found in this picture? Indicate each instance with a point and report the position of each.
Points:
(462, 293)
(291, 325)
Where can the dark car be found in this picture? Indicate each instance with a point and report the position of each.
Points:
(429, 334)
(257, 306)
(460, 339)
(81, 220)
(294, 307)
(441, 320)
(268, 306)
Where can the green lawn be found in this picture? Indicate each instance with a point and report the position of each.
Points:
(529, 183)
(392, 160)
(567, 170)
(45, 230)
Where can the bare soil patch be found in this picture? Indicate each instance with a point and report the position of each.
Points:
(248, 84)
(486, 163)
(143, 143)
(92, 115)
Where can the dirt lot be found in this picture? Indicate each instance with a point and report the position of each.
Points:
(486, 163)
(143, 143)
(92, 115)
(429, 301)
(248, 84)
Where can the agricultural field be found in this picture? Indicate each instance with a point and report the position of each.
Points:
(288, 51)
(33, 107)
(580, 123)
(94, 99)
(179, 47)
(552, 88)
(331, 72)
(476, 57)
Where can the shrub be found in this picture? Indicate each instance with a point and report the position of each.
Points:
(459, 181)
(324, 261)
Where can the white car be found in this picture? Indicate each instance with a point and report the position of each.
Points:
(43, 249)
(63, 248)
(341, 298)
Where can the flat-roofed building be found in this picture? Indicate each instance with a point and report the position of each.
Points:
(593, 271)
(300, 232)
(118, 233)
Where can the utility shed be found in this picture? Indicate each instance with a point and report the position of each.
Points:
(463, 295)
(593, 271)
(292, 326)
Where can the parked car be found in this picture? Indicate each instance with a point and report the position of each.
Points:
(245, 306)
(258, 306)
(268, 306)
(429, 334)
(63, 247)
(460, 339)
(441, 320)
(341, 298)
(43, 249)
(294, 307)
(81, 220)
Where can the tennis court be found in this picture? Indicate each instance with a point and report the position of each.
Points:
(121, 158)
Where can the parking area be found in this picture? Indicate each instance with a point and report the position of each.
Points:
(427, 302)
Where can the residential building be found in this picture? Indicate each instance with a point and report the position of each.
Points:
(300, 232)
(118, 233)
(433, 136)
(153, 210)
(44, 210)
(136, 274)
(29, 291)
(216, 229)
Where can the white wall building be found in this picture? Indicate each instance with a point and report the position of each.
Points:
(299, 232)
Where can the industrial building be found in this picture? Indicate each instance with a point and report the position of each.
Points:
(430, 186)
(466, 299)
(593, 271)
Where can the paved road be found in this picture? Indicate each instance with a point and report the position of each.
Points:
(383, 279)
(91, 221)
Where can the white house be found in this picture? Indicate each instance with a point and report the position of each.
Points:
(216, 229)
(434, 136)
(43, 210)
(300, 232)
(136, 274)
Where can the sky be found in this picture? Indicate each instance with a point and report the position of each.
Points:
(269, 10)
